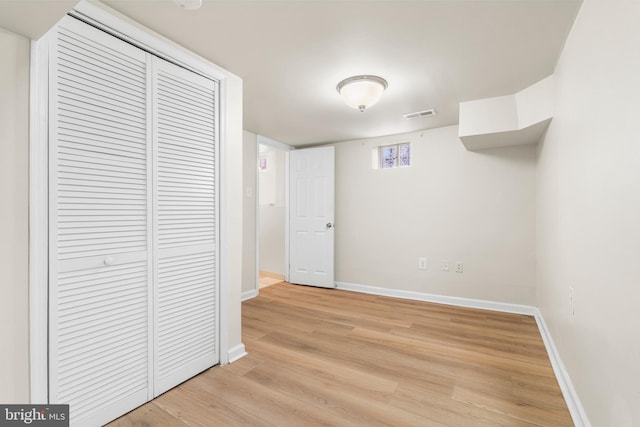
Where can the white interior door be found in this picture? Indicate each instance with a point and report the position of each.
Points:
(311, 216)
(99, 225)
(185, 185)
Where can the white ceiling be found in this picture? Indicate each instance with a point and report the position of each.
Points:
(291, 54)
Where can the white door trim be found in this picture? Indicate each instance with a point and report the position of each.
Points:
(115, 23)
(287, 222)
(256, 202)
(273, 143)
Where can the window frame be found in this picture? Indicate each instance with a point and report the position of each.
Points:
(396, 159)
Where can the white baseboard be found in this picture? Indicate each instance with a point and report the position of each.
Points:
(576, 409)
(440, 299)
(249, 294)
(236, 353)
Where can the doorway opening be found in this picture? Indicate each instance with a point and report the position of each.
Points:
(271, 214)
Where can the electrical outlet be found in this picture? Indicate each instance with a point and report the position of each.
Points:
(445, 265)
(459, 267)
(572, 300)
(422, 263)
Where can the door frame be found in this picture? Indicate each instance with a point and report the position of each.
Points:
(286, 148)
(116, 24)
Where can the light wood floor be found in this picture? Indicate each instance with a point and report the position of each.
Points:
(320, 357)
(266, 278)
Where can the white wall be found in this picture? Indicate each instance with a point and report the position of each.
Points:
(589, 212)
(14, 218)
(451, 204)
(272, 211)
(531, 105)
(535, 103)
(249, 236)
(488, 115)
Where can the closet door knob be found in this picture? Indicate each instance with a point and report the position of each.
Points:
(108, 260)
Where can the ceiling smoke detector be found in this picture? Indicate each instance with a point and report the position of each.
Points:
(417, 114)
(189, 4)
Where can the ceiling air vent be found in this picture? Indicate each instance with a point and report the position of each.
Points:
(417, 114)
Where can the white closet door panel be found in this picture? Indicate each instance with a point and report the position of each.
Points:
(186, 311)
(100, 234)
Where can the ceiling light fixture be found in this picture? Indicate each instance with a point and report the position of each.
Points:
(189, 4)
(361, 92)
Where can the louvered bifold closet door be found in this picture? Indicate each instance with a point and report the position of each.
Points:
(99, 221)
(186, 312)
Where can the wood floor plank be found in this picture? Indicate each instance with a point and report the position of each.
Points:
(269, 404)
(444, 410)
(351, 405)
(148, 415)
(195, 407)
(368, 382)
(328, 357)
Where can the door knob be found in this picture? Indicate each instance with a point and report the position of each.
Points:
(329, 225)
(108, 260)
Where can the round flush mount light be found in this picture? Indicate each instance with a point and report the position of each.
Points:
(361, 92)
(189, 4)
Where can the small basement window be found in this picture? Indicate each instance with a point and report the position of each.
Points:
(393, 156)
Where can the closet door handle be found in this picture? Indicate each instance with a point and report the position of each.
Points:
(108, 260)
